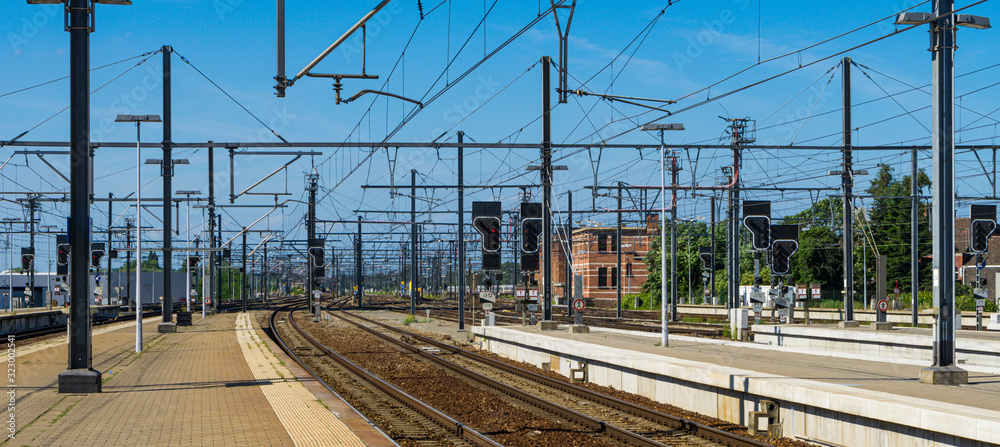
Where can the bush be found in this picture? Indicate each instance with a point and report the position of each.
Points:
(409, 320)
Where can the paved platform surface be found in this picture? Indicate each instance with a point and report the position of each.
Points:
(982, 392)
(192, 388)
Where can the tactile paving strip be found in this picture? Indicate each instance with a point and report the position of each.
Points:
(307, 421)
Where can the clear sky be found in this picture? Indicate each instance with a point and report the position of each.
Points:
(624, 48)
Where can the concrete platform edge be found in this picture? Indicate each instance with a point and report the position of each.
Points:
(735, 390)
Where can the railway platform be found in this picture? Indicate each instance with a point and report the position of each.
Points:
(820, 398)
(219, 382)
(839, 401)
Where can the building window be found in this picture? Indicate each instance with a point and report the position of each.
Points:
(602, 277)
(614, 277)
(602, 242)
(614, 242)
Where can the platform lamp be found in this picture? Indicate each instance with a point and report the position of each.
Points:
(138, 120)
(663, 227)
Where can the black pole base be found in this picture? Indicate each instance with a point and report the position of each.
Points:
(79, 381)
(166, 328)
(944, 375)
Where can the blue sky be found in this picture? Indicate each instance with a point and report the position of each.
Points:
(693, 45)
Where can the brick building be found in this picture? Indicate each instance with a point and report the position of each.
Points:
(595, 254)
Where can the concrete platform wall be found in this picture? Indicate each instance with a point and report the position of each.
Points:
(34, 320)
(829, 413)
(887, 345)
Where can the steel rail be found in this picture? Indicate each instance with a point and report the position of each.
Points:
(588, 422)
(427, 411)
(695, 428)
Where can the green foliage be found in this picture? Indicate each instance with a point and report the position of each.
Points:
(819, 258)
(889, 221)
(410, 319)
(690, 237)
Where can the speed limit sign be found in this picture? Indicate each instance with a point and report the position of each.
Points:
(883, 305)
(578, 305)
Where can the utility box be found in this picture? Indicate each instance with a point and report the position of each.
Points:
(738, 321)
(490, 319)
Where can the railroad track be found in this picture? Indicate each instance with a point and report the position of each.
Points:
(61, 328)
(621, 421)
(404, 418)
(512, 317)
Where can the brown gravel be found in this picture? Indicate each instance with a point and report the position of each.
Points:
(609, 391)
(506, 422)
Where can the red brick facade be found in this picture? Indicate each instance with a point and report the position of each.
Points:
(595, 258)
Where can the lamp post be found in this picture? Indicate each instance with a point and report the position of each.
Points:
(138, 120)
(187, 258)
(943, 21)
(663, 226)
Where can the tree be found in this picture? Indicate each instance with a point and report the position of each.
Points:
(890, 221)
(152, 263)
(819, 258)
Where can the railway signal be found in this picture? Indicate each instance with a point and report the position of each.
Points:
(486, 221)
(27, 258)
(983, 224)
(707, 257)
(317, 261)
(757, 219)
(193, 261)
(62, 254)
(96, 253)
(531, 233)
(786, 243)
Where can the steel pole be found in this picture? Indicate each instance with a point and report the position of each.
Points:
(943, 195)
(413, 241)
(663, 238)
(138, 237)
(618, 252)
(547, 189)
(847, 179)
(79, 377)
(212, 271)
(914, 242)
(167, 168)
(187, 256)
(673, 240)
(461, 232)
(243, 277)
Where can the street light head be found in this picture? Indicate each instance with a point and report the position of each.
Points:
(153, 161)
(971, 21)
(44, 2)
(180, 161)
(662, 126)
(137, 118)
(913, 18)
(188, 193)
(114, 2)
